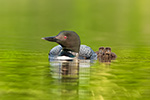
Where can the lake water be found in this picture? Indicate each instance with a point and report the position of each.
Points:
(26, 73)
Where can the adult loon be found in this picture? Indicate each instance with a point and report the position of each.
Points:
(69, 45)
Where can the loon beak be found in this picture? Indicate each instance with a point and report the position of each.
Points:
(52, 39)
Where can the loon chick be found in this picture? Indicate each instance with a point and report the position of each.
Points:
(70, 46)
(105, 54)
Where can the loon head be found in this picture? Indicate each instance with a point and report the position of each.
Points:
(69, 40)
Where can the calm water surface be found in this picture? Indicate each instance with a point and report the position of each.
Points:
(28, 75)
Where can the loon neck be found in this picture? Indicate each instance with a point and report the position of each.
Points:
(69, 53)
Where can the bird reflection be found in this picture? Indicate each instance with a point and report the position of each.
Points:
(68, 68)
(71, 75)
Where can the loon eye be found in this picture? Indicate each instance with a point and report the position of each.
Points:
(65, 37)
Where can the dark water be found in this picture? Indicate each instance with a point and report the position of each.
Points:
(26, 73)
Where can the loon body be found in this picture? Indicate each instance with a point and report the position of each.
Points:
(84, 53)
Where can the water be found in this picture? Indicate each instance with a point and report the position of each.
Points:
(26, 73)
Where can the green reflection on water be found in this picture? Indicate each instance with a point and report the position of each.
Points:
(122, 25)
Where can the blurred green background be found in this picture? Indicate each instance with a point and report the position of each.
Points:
(99, 22)
(124, 25)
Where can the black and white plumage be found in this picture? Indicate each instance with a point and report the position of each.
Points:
(85, 52)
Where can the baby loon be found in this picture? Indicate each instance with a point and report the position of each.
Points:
(105, 54)
(70, 46)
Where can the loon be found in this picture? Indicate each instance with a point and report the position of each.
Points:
(70, 46)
